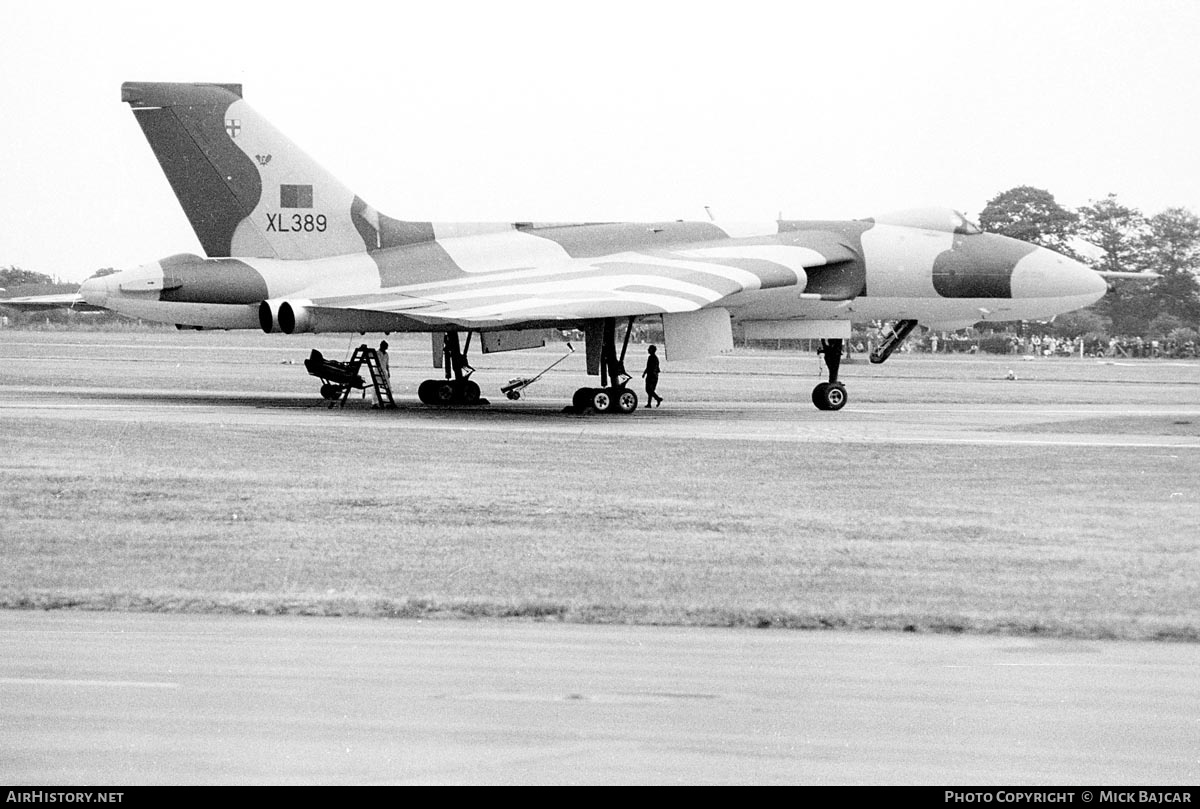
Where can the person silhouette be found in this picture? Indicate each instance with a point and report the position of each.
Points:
(651, 377)
(385, 368)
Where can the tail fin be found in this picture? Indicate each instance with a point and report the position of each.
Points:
(246, 188)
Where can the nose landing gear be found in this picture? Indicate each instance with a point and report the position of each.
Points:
(831, 395)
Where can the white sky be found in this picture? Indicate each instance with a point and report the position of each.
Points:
(559, 111)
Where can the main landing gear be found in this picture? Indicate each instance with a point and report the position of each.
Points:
(457, 388)
(830, 395)
(604, 400)
(614, 397)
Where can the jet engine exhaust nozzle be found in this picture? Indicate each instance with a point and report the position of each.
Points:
(295, 317)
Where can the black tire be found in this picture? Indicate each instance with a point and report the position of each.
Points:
(830, 396)
(582, 399)
(426, 391)
(469, 393)
(626, 401)
(330, 392)
(818, 396)
(602, 400)
(444, 393)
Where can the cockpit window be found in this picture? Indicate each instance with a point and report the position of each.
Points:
(940, 219)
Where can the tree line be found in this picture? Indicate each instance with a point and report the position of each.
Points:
(17, 283)
(1108, 235)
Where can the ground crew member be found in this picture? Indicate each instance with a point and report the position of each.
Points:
(651, 377)
(387, 372)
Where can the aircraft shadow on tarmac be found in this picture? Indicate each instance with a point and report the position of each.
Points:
(355, 405)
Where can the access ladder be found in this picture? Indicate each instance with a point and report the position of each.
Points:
(379, 379)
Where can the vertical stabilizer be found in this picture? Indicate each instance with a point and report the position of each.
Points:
(246, 188)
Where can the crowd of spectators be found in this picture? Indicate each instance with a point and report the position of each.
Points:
(1138, 347)
(1049, 345)
(1183, 343)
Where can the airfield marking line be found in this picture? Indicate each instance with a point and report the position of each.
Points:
(67, 406)
(161, 344)
(812, 436)
(1057, 442)
(1025, 410)
(85, 683)
(1037, 665)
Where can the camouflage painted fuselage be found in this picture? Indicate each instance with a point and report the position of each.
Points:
(291, 249)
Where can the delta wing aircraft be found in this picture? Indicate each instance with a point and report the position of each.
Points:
(290, 249)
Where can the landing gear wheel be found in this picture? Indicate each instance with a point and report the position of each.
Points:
(469, 393)
(427, 391)
(582, 399)
(443, 393)
(830, 396)
(602, 399)
(330, 392)
(626, 401)
(818, 396)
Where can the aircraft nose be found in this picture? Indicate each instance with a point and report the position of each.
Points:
(1046, 274)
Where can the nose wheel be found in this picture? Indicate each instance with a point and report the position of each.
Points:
(829, 396)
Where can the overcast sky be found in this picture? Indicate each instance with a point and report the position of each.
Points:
(603, 111)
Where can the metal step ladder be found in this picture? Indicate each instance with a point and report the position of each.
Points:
(379, 380)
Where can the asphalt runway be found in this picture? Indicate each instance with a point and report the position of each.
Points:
(111, 699)
(89, 698)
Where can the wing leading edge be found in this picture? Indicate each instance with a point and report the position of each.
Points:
(622, 284)
(39, 303)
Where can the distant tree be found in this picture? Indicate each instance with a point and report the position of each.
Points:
(1031, 215)
(1078, 323)
(1120, 231)
(14, 276)
(1162, 325)
(1174, 240)
(18, 283)
(1172, 249)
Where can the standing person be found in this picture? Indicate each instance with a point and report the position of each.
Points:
(651, 377)
(384, 362)
(387, 371)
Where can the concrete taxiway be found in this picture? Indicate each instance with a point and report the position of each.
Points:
(172, 699)
(88, 698)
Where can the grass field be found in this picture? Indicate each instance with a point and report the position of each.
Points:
(199, 472)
